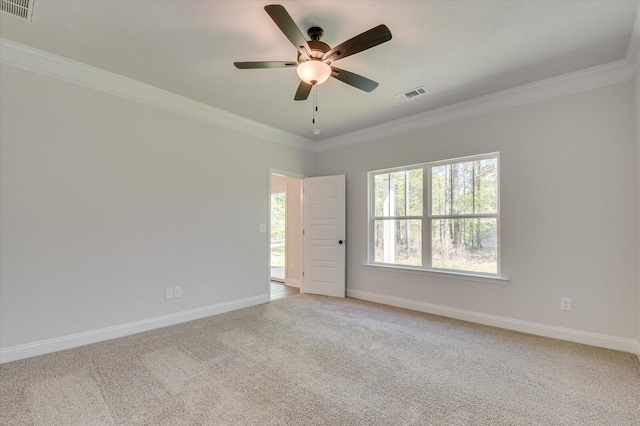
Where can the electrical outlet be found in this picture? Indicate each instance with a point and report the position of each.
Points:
(565, 304)
(177, 292)
(168, 293)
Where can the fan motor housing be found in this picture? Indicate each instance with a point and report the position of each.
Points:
(318, 49)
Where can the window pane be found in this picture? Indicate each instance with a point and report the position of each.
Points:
(439, 190)
(414, 178)
(398, 193)
(381, 188)
(398, 241)
(465, 188)
(486, 186)
(465, 244)
(461, 188)
(397, 187)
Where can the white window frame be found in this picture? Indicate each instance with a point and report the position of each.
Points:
(427, 218)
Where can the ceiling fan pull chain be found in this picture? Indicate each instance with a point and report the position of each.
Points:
(315, 103)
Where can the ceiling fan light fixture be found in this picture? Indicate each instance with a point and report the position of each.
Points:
(313, 71)
(317, 55)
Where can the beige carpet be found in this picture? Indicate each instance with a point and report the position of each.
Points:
(308, 360)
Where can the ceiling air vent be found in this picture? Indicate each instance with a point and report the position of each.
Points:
(413, 93)
(19, 8)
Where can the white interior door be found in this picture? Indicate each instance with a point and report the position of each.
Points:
(324, 236)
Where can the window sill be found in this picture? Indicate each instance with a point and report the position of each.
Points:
(438, 273)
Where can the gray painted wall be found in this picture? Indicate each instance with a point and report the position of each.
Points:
(105, 202)
(568, 199)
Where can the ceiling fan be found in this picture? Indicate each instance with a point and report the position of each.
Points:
(315, 57)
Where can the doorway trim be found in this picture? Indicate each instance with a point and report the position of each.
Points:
(268, 271)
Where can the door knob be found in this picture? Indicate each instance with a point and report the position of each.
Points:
(340, 242)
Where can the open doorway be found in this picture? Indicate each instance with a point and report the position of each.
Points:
(278, 233)
(285, 236)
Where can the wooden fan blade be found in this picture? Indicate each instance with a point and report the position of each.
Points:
(364, 41)
(264, 64)
(283, 20)
(354, 80)
(303, 91)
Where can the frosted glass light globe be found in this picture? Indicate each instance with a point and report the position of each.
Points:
(313, 71)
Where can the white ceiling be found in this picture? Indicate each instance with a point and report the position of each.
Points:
(457, 49)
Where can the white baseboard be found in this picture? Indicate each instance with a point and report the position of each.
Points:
(292, 283)
(584, 337)
(42, 347)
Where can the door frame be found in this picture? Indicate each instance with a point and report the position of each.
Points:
(268, 271)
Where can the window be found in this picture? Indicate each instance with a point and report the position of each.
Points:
(397, 225)
(453, 225)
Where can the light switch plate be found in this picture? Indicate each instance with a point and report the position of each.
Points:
(168, 293)
(262, 227)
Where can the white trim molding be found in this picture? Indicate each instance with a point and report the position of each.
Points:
(578, 81)
(571, 335)
(454, 275)
(42, 347)
(45, 63)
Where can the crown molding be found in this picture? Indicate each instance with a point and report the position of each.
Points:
(45, 63)
(586, 79)
(633, 50)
